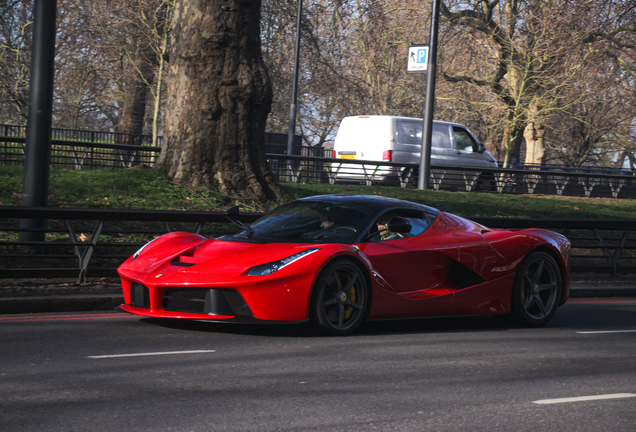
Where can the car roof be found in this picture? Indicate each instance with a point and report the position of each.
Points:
(375, 203)
(408, 119)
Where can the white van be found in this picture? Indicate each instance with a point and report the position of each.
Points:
(398, 139)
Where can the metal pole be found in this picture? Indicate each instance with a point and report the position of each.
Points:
(429, 103)
(37, 157)
(292, 108)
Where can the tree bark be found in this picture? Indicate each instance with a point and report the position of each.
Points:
(535, 149)
(133, 108)
(143, 63)
(219, 96)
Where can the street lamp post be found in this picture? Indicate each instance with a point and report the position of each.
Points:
(37, 154)
(292, 108)
(429, 102)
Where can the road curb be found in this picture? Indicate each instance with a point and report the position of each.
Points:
(68, 303)
(603, 292)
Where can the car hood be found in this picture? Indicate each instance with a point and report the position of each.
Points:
(219, 260)
(242, 254)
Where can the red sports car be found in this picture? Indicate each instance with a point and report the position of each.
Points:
(338, 260)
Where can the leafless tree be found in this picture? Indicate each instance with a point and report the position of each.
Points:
(219, 95)
(15, 59)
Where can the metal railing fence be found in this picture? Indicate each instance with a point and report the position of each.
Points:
(467, 179)
(84, 136)
(93, 242)
(579, 169)
(82, 155)
(313, 167)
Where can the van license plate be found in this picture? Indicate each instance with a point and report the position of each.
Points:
(347, 156)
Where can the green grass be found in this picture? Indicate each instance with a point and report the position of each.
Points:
(150, 189)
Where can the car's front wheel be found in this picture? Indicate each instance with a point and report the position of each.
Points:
(537, 290)
(340, 299)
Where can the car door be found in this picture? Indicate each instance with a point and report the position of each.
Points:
(414, 268)
(467, 155)
(442, 157)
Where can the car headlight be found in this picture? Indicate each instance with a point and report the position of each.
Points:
(136, 254)
(269, 268)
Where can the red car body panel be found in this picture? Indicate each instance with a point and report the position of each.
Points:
(454, 267)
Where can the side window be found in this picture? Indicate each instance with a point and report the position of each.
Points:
(408, 132)
(419, 225)
(463, 140)
(440, 137)
(418, 222)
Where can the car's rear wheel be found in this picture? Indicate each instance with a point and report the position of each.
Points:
(340, 299)
(536, 291)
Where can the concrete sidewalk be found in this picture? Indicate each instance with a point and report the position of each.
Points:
(19, 296)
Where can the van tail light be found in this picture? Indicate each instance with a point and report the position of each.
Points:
(387, 156)
(333, 154)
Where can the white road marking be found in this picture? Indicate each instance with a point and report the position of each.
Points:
(151, 354)
(607, 331)
(584, 398)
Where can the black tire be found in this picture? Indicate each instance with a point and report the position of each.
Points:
(341, 299)
(536, 292)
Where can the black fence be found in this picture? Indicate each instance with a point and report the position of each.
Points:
(84, 136)
(315, 165)
(301, 169)
(94, 242)
(579, 169)
(82, 155)
(81, 149)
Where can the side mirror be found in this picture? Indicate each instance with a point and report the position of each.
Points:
(481, 148)
(232, 211)
(400, 225)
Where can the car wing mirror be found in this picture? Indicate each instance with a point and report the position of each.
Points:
(481, 148)
(232, 214)
(232, 211)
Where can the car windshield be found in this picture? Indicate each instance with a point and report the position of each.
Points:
(311, 222)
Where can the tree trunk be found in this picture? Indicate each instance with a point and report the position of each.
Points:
(533, 134)
(219, 96)
(136, 96)
(157, 107)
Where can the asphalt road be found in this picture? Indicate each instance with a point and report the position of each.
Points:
(106, 371)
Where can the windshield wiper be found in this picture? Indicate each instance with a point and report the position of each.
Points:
(232, 214)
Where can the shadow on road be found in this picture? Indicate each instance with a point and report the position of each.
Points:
(576, 315)
(420, 325)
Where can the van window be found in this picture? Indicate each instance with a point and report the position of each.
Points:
(408, 132)
(440, 137)
(463, 140)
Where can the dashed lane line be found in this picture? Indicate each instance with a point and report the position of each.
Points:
(150, 354)
(584, 398)
(606, 331)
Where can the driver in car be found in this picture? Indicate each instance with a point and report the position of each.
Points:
(385, 232)
(328, 221)
(328, 225)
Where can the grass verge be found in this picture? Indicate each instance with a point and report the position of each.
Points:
(144, 188)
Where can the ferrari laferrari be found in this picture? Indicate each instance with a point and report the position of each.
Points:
(335, 261)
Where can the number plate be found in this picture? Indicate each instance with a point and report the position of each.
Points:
(347, 156)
